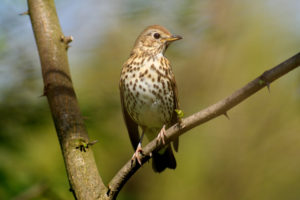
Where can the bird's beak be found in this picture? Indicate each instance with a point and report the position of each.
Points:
(173, 38)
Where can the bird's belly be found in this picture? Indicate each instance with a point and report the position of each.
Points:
(150, 113)
(148, 105)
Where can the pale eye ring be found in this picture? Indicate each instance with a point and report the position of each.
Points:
(156, 35)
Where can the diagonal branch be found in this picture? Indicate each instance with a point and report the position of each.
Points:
(213, 111)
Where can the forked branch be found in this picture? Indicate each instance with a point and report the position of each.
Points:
(213, 111)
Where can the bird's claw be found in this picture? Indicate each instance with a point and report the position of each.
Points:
(136, 155)
(162, 134)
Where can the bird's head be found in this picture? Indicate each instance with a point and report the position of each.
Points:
(154, 40)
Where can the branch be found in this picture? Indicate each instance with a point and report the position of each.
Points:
(213, 111)
(82, 171)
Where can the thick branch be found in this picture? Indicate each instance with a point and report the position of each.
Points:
(83, 175)
(215, 110)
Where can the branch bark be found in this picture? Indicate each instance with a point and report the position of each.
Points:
(84, 179)
(213, 111)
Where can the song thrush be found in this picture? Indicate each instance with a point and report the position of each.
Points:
(149, 94)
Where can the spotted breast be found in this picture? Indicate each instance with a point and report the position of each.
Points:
(149, 94)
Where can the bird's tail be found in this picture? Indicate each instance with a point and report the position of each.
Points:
(163, 160)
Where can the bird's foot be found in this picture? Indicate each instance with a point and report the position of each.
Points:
(162, 134)
(136, 155)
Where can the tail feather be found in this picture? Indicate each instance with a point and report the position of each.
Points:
(164, 160)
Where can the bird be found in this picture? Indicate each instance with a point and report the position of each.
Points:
(149, 96)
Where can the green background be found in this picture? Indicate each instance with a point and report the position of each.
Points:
(254, 155)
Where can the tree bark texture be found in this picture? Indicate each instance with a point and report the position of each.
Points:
(82, 171)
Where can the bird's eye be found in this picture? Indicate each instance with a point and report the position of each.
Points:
(156, 35)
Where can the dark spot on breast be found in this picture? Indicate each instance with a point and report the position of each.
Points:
(169, 86)
(161, 62)
(160, 97)
(163, 84)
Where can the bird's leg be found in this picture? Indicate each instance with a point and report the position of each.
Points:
(138, 151)
(162, 134)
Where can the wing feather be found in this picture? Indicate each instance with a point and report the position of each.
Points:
(175, 117)
(132, 127)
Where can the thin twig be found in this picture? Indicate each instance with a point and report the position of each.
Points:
(213, 111)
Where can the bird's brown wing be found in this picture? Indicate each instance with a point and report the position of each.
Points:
(132, 127)
(175, 117)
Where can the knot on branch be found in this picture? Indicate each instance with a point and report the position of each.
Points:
(45, 91)
(24, 13)
(226, 115)
(67, 40)
(263, 80)
(82, 145)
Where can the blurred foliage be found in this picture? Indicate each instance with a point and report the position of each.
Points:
(254, 155)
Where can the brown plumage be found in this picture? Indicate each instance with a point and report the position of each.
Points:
(149, 93)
